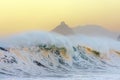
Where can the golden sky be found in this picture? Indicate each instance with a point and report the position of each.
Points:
(23, 15)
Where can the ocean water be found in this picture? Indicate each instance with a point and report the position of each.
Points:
(50, 56)
(89, 76)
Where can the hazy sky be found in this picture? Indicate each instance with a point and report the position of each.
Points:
(22, 15)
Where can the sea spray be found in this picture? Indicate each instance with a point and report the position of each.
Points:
(39, 53)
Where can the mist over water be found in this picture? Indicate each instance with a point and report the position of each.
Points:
(45, 55)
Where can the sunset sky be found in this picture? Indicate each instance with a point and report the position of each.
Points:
(23, 15)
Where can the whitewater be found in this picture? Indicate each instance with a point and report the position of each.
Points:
(38, 55)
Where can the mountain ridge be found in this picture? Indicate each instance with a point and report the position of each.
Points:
(63, 29)
(88, 30)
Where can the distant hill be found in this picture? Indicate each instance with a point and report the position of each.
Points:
(63, 29)
(94, 30)
(88, 30)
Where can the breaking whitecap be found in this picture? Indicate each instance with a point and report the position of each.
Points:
(49, 54)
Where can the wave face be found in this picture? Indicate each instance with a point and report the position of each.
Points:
(42, 53)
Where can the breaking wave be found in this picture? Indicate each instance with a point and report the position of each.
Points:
(42, 53)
